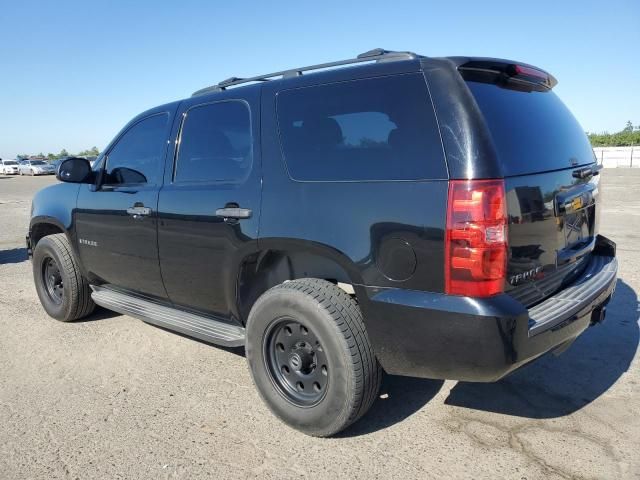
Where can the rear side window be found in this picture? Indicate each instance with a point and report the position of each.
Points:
(533, 131)
(215, 143)
(137, 157)
(374, 129)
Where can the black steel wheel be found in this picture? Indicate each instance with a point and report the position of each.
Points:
(296, 362)
(63, 291)
(310, 356)
(52, 279)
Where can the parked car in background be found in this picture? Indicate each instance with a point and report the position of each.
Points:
(9, 167)
(56, 163)
(35, 167)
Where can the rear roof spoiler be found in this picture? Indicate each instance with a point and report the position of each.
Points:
(505, 69)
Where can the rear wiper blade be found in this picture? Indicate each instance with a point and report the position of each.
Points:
(587, 171)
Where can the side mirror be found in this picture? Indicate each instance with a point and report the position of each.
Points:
(75, 170)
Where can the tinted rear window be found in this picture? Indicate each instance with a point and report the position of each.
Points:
(373, 129)
(215, 143)
(532, 131)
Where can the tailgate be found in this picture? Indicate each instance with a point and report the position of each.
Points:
(551, 183)
(552, 230)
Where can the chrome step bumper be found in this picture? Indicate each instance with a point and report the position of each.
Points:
(598, 279)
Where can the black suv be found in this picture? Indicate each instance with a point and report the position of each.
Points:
(430, 217)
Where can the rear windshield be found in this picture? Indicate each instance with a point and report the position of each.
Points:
(532, 131)
(374, 129)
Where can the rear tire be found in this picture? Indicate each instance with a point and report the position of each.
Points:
(310, 356)
(63, 291)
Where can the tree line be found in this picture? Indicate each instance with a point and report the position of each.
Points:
(628, 136)
(92, 152)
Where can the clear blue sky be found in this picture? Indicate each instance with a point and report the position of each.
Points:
(73, 72)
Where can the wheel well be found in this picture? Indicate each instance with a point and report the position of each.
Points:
(41, 230)
(269, 268)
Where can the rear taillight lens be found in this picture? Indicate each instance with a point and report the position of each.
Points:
(476, 238)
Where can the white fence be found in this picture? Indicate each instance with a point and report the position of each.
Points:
(613, 157)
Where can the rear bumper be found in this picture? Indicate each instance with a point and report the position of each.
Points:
(433, 335)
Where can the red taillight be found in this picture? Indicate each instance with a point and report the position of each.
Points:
(476, 238)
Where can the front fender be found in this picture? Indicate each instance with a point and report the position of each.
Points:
(53, 206)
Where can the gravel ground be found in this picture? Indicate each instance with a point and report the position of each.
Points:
(113, 397)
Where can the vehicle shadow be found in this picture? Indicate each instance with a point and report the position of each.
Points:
(399, 398)
(557, 386)
(239, 351)
(13, 255)
(2, 177)
(98, 314)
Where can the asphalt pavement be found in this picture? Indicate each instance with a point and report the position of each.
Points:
(113, 397)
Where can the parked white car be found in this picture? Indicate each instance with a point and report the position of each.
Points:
(36, 167)
(9, 167)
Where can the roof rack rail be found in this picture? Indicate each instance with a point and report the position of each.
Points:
(375, 55)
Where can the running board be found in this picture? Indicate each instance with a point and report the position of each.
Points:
(197, 326)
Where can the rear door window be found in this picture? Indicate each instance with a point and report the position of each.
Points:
(373, 129)
(215, 143)
(533, 131)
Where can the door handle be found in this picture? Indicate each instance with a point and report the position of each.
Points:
(138, 211)
(233, 212)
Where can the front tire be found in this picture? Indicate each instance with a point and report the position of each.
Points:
(310, 356)
(63, 291)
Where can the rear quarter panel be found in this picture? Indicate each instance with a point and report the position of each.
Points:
(353, 220)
